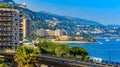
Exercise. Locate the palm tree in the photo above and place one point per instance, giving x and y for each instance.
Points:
(27, 56)
(2, 64)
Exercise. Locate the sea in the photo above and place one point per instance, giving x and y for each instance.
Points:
(104, 48)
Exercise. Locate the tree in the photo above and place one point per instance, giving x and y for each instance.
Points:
(75, 51)
(47, 47)
(5, 6)
(78, 51)
(83, 52)
(62, 50)
(53, 48)
(86, 58)
(27, 56)
(58, 51)
(2, 64)
(78, 57)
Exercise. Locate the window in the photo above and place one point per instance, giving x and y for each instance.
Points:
(16, 19)
(14, 38)
(16, 43)
(15, 33)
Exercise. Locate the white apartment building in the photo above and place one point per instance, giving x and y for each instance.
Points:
(11, 32)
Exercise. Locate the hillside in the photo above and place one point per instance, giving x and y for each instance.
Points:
(70, 24)
(50, 16)
(48, 20)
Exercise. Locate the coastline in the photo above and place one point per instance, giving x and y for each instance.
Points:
(66, 42)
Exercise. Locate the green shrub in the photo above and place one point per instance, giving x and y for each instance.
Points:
(3, 65)
(86, 58)
(63, 50)
(5, 6)
(78, 57)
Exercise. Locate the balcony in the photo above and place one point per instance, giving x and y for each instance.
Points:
(6, 20)
(7, 25)
(6, 35)
(6, 40)
(6, 30)
(7, 15)
(6, 45)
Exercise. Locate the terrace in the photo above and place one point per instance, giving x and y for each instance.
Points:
(5, 6)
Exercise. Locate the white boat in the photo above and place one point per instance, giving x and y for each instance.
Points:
(111, 38)
(117, 39)
(100, 43)
(107, 40)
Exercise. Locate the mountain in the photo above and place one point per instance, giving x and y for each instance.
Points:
(52, 21)
(70, 24)
(50, 16)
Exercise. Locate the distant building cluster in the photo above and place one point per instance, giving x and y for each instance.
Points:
(48, 32)
(59, 34)
(99, 31)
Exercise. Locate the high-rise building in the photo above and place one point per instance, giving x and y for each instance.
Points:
(49, 32)
(24, 28)
(27, 29)
(58, 32)
(10, 28)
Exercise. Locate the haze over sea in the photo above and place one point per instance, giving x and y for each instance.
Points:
(105, 49)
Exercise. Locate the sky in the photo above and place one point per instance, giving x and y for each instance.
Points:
(103, 11)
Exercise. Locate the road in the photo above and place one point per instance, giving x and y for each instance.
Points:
(71, 62)
(64, 61)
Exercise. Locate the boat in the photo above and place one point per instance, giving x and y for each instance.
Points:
(117, 39)
(101, 43)
(111, 38)
(107, 40)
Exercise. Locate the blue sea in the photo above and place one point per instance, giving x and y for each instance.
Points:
(105, 49)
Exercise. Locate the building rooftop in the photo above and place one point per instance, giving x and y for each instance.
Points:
(5, 6)
(7, 9)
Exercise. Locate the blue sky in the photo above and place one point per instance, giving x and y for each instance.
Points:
(103, 11)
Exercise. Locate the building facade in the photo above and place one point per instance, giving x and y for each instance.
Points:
(58, 32)
(48, 32)
(41, 32)
(11, 32)
(27, 28)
